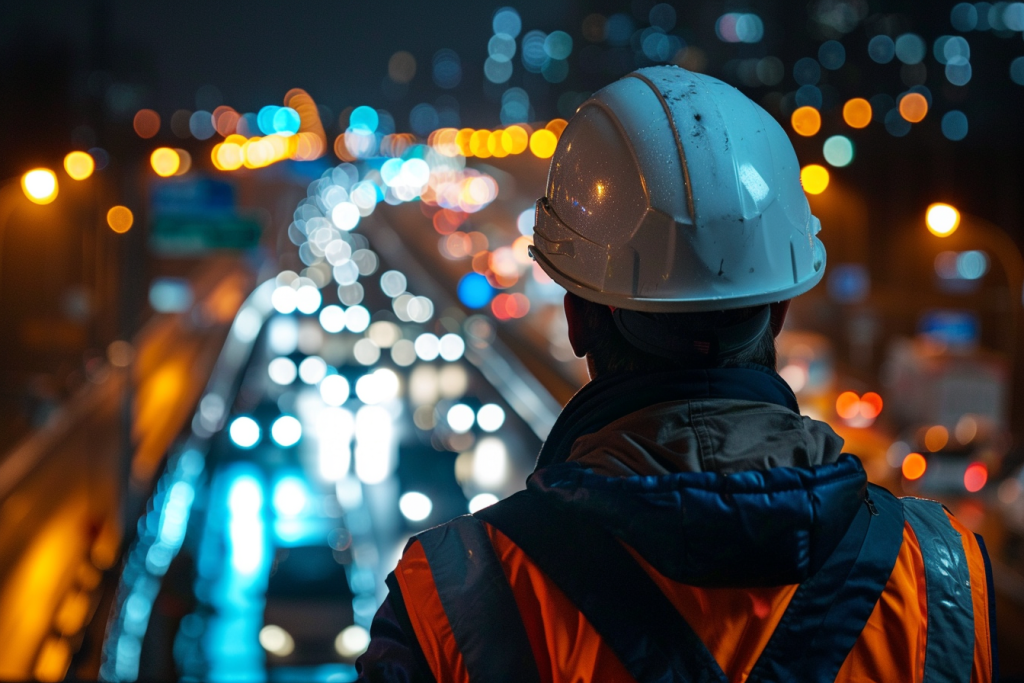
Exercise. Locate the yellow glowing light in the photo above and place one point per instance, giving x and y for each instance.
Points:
(942, 219)
(556, 126)
(40, 185)
(814, 178)
(120, 219)
(806, 121)
(543, 143)
(495, 145)
(165, 161)
(478, 144)
(79, 165)
(463, 139)
(857, 112)
(229, 156)
(515, 139)
(914, 107)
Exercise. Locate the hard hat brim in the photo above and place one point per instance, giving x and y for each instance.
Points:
(652, 305)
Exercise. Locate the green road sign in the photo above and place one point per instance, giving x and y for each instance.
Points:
(178, 234)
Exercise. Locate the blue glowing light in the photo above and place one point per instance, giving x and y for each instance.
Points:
(364, 119)
(286, 121)
(475, 291)
(265, 119)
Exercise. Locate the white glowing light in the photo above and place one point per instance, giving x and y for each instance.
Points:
(366, 352)
(334, 390)
(427, 346)
(276, 640)
(490, 417)
(283, 335)
(282, 371)
(403, 353)
(392, 283)
(357, 319)
(480, 501)
(374, 444)
(460, 418)
(334, 429)
(286, 431)
(284, 299)
(453, 381)
(378, 386)
(332, 318)
(290, 497)
(245, 525)
(345, 215)
(308, 299)
(415, 506)
(312, 369)
(490, 462)
(244, 432)
(352, 641)
(452, 347)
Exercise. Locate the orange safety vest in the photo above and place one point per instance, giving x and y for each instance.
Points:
(520, 593)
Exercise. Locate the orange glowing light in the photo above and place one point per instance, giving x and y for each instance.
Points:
(146, 123)
(79, 165)
(165, 161)
(495, 146)
(806, 121)
(515, 139)
(556, 126)
(543, 143)
(857, 112)
(814, 178)
(942, 219)
(914, 466)
(936, 438)
(975, 477)
(120, 219)
(914, 107)
(847, 405)
(521, 249)
(870, 405)
(463, 140)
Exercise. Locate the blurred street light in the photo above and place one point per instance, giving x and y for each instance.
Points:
(120, 219)
(79, 165)
(942, 219)
(40, 185)
(165, 161)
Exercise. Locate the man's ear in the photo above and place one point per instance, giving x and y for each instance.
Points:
(778, 319)
(574, 316)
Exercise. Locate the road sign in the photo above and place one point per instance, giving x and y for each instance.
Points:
(180, 235)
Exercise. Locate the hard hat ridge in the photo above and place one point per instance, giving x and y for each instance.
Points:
(672, 191)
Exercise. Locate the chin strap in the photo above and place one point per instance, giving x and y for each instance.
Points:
(707, 347)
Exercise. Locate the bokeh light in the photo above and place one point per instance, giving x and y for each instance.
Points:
(857, 112)
(954, 125)
(543, 143)
(120, 219)
(40, 185)
(914, 466)
(79, 165)
(165, 161)
(814, 178)
(913, 107)
(146, 123)
(401, 67)
(838, 150)
(975, 477)
(935, 438)
(806, 121)
(942, 219)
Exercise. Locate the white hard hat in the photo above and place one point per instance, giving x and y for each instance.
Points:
(672, 191)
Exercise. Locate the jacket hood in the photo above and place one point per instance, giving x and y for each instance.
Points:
(711, 475)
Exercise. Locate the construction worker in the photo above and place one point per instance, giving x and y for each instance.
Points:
(685, 522)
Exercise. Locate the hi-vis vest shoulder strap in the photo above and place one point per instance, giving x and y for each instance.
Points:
(651, 639)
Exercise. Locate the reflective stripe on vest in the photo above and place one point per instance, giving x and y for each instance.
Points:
(949, 652)
(810, 643)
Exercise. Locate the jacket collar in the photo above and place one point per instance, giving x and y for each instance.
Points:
(611, 397)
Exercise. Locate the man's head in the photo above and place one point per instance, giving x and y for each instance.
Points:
(594, 333)
(675, 217)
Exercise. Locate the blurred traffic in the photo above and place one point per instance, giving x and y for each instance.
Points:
(264, 340)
